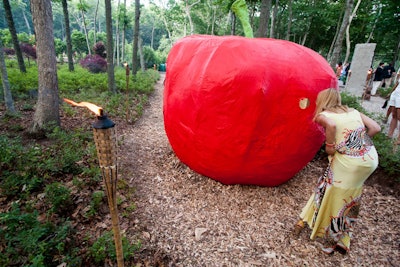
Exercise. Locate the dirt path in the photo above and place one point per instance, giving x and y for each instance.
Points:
(185, 219)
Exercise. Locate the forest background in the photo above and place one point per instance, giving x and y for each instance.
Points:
(316, 24)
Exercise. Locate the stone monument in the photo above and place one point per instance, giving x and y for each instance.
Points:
(360, 64)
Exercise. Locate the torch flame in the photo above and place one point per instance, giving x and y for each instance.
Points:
(92, 107)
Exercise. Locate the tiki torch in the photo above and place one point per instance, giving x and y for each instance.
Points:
(106, 146)
(127, 90)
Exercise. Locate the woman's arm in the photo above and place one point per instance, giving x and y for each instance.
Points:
(330, 133)
(372, 126)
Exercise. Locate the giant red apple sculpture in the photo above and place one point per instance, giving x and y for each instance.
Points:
(239, 110)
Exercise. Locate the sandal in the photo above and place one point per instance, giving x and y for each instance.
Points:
(328, 250)
(341, 250)
(298, 228)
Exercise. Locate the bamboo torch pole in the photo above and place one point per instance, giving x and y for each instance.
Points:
(106, 145)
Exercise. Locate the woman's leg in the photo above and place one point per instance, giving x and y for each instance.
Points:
(394, 121)
(388, 112)
(398, 123)
(375, 86)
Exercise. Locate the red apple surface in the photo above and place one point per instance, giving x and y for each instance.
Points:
(240, 110)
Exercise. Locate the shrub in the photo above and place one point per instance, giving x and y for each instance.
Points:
(28, 50)
(8, 51)
(100, 49)
(97, 199)
(389, 157)
(104, 248)
(24, 241)
(94, 63)
(18, 168)
(58, 197)
(144, 81)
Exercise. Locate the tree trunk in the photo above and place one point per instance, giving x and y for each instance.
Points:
(338, 44)
(4, 79)
(68, 36)
(273, 21)
(110, 58)
(26, 22)
(136, 38)
(13, 32)
(289, 23)
(85, 27)
(187, 11)
(375, 23)
(396, 53)
(95, 22)
(329, 55)
(141, 56)
(348, 32)
(214, 11)
(47, 115)
(264, 18)
(117, 33)
(123, 33)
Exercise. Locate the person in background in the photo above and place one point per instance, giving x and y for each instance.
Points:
(333, 208)
(394, 108)
(345, 72)
(388, 73)
(390, 108)
(339, 68)
(378, 77)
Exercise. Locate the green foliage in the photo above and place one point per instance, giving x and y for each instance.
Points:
(384, 91)
(60, 46)
(65, 151)
(29, 170)
(18, 170)
(104, 248)
(6, 37)
(78, 42)
(389, 158)
(25, 167)
(24, 241)
(80, 81)
(145, 80)
(22, 83)
(97, 199)
(58, 197)
(351, 101)
(150, 57)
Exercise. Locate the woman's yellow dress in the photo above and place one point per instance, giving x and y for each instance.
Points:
(333, 207)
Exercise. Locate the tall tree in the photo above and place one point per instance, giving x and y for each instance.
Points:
(264, 18)
(47, 115)
(188, 15)
(110, 58)
(289, 21)
(124, 26)
(353, 14)
(4, 79)
(68, 35)
(82, 6)
(13, 31)
(136, 38)
(273, 20)
(337, 48)
(95, 22)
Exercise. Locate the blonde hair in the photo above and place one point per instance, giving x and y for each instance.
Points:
(330, 100)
